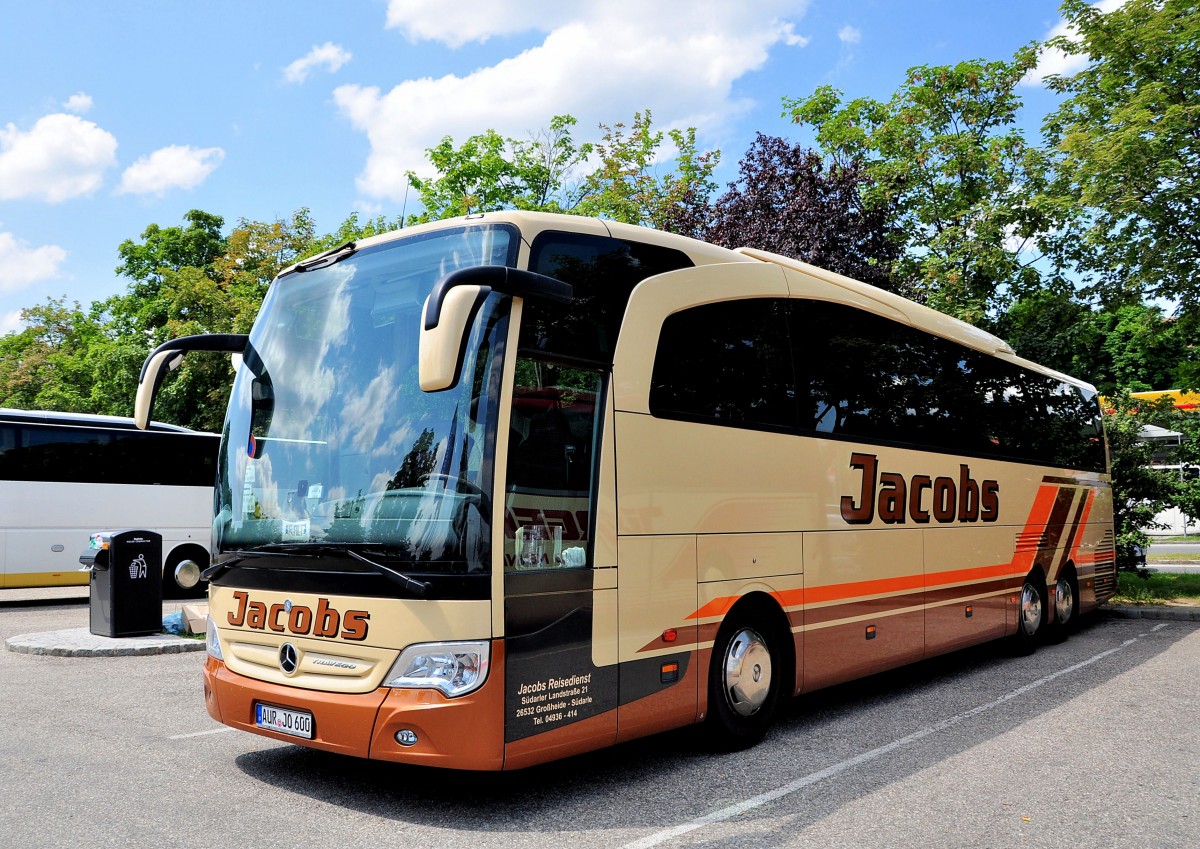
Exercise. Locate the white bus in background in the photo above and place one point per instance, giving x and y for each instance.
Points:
(64, 476)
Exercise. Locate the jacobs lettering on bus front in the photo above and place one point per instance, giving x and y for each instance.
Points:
(919, 498)
(325, 621)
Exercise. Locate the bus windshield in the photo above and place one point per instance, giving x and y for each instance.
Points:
(329, 440)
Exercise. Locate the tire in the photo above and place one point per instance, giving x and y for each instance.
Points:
(743, 683)
(1031, 614)
(170, 587)
(1066, 606)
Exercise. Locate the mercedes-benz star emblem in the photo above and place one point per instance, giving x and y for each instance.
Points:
(288, 658)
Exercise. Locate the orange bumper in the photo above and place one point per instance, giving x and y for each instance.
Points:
(461, 733)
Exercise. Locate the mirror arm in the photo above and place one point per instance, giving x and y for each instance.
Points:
(156, 365)
(497, 278)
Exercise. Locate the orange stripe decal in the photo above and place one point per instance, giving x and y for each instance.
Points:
(1031, 542)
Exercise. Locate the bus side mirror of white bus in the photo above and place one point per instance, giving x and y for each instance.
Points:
(451, 307)
(167, 356)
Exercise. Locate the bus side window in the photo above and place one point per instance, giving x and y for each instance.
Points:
(726, 363)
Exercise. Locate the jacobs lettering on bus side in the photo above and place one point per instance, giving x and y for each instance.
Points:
(323, 622)
(921, 498)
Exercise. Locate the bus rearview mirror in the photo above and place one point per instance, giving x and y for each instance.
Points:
(168, 356)
(452, 304)
(441, 347)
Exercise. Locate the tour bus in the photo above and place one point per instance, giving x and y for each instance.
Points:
(65, 476)
(510, 487)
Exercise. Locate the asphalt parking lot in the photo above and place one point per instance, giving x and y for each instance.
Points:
(1092, 742)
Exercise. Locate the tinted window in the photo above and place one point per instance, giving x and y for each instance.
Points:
(726, 363)
(603, 271)
(101, 455)
(862, 376)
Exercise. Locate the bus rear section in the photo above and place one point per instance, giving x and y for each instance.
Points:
(501, 490)
(65, 476)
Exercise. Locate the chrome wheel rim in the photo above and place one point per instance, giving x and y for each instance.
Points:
(1064, 601)
(747, 672)
(1031, 610)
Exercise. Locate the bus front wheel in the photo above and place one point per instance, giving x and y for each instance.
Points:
(743, 684)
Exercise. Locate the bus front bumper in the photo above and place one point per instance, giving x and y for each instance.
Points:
(466, 732)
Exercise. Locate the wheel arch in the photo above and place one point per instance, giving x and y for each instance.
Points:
(760, 606)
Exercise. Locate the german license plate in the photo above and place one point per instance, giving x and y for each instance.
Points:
(298, 723)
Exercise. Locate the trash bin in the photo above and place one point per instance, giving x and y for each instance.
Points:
(126, 583)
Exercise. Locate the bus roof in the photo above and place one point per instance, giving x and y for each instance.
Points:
(13, 416)
(703, 253)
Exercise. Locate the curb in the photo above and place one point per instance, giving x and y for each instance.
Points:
(1154, 611)
(80, 642)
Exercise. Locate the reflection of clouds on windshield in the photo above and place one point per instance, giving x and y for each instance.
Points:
(320, 311)
(365, 410)
(380, 481)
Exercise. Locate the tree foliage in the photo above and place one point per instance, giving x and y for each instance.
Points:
(547, 173)
(631, 183)
(791, 201)
(488, 172)
(1127, 138)
(1132, 347)
(945, 160)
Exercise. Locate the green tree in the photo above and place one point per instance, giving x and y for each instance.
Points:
(1139, 491)
(945, 159)
(1127, 138)
(631, 183)
(488, 172)
(1057, 330)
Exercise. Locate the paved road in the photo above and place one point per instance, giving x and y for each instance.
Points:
(1175, 547)
(1093, 742)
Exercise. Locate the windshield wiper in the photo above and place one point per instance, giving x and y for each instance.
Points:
(236, 556)
(417, 588)
(303, 549)
(322, 260)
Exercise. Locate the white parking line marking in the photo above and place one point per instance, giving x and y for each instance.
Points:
(200, 733)
(747, 805)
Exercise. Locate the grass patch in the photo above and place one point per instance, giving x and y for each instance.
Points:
(1189, 538)
(1173, 557)
(1158, 588)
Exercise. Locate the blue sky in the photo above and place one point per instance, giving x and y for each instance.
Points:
(120, 114)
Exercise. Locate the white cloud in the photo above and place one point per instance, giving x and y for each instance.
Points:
(1053, 60)
(791, 39)
(21, 266)
(849, 35)
(329, 56)
(173, 167)
(455, 24)
(62, 157)
(78, 103)
(11, 322)
(600, 61)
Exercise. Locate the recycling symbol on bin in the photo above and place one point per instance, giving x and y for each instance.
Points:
(137, 567)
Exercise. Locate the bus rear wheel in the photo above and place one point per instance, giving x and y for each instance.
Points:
(743, 684)
(1066, 606)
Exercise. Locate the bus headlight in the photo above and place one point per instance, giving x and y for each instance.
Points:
(211, 643)
(453, 668)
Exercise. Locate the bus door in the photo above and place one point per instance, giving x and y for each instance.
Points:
(559, 612)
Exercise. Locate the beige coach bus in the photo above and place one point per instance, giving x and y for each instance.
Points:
(506, 488)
